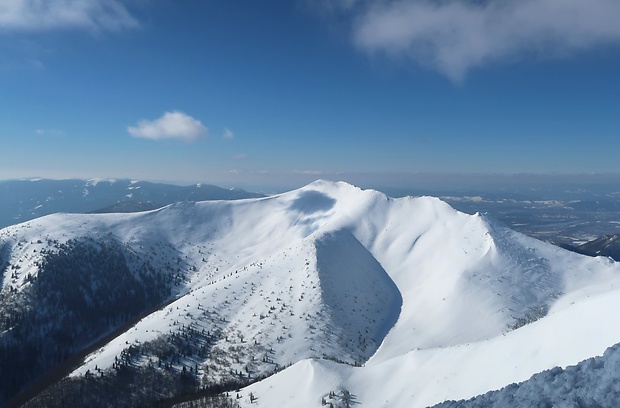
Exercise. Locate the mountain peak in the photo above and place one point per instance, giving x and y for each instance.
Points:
(329, 185)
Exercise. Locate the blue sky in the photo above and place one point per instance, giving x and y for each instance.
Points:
(278, 93)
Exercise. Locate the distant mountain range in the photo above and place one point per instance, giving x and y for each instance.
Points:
(328, 294)
(608, 245)
(23, 200)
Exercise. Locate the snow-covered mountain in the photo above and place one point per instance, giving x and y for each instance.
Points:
(23, 200)
(343, 293)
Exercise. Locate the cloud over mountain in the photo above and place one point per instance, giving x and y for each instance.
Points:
(171, 125)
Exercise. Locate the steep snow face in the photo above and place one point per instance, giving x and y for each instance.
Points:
(429, 250)
(358, 293)
(465, 278)
(410, 287)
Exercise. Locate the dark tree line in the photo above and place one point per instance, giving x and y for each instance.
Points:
(139, 386)
(84, 290)
(170, 377)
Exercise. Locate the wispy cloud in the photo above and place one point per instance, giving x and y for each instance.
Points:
(37, 15)
(228, 134)
(241, 171)
(313, 172)
(172, 125)
(49, 132)
(240, 156)
(454, 36)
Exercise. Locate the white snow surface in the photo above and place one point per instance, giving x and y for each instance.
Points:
(591, 383)
(425, 298)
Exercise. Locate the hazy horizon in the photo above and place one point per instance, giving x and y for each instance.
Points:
(549, 186)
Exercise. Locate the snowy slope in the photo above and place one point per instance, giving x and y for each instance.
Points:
(280, 309)
(425, 377)
(433, 303)
(591, 383)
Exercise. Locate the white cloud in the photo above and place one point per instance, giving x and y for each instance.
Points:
(172, 125)
(228, 134)
(454, 36)
(41, 15)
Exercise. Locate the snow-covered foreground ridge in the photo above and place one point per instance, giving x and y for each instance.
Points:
(401, 302)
